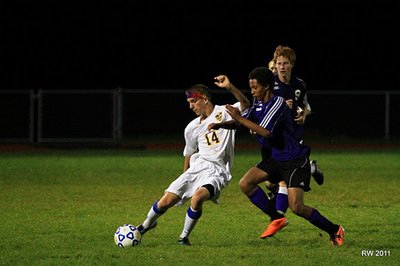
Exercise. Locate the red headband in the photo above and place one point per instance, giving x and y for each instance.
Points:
(194, 94)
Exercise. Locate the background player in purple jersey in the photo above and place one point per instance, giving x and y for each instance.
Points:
(283, 155)
(293, 90)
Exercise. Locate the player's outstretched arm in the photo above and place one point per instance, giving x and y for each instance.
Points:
(232, 124)
(223, 81)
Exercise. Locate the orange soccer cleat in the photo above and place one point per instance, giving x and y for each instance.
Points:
(274, 227)
(338, 238)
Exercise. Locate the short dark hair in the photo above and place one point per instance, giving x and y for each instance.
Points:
(264, 76)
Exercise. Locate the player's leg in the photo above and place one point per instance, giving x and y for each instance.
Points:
(282, 198)
(296, 202)
(249, 186)
(278, 195)
(157, 209)
(316, 172)
(194, 212)
(335, 231)
(173, 194)
(300, 178)
(272, 187)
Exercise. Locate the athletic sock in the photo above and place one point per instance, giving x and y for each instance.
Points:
(282, 203)
(259, 199)
(191, 219)
(152, 216)
(323, 223)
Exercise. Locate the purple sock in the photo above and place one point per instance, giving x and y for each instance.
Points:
(259, 199)
(322, 223)
(282, 203)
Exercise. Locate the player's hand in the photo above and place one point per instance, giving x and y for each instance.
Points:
(234, 112)
(290, 103)
(213, 126)
(222, 81)
(300, 118)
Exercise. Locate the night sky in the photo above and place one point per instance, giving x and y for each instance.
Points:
(178, 43)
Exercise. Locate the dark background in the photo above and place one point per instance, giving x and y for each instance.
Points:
(173, 44)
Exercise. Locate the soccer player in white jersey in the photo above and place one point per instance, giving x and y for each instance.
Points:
(208, 160)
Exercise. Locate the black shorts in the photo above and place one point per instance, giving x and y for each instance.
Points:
(271, 168)
(296, 173)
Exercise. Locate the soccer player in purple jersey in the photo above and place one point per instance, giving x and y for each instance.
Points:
(293, 90)
(283, 155)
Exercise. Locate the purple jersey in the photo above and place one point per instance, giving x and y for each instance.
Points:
(296, 91)
(274, 115)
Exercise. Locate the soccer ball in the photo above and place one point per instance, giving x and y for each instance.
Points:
(127, 235)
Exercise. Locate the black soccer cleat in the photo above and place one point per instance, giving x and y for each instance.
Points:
(142, 230)
(318, 175)
(184, 241)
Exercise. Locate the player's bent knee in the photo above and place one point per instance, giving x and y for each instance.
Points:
(246, 187)
(243, 185)
(167, 201)
(201, 195)
(298, 210)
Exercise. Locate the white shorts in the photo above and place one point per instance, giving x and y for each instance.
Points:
(200, 173)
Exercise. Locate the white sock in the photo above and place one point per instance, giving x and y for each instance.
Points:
(190, 223)
(152, 217)
(283, 190)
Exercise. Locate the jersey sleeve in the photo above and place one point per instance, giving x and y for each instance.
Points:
(275, 110)
(190, 141)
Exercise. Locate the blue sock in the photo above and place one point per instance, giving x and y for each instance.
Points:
(282, 202)
(261, 200)
(322, 223)
(194, 215)
(155, 209)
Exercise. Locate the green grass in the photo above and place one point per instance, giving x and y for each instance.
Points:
(61, 207)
